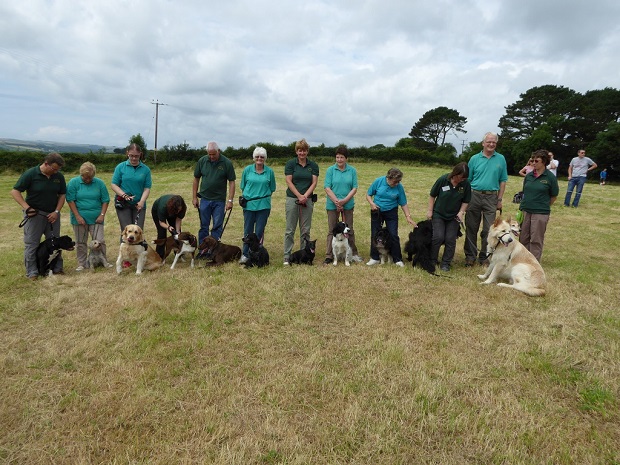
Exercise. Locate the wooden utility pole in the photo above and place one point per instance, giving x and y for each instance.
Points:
(157, 103)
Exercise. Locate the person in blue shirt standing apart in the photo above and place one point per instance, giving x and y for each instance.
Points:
(258, 182)
(487, 177)
(340, 186)
(384, 195)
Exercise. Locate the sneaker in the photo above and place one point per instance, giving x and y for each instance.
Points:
(485, 262)
(400, 263)
(109, 265)
(285, 263)
(357, 259)
(445, 268)
(328, 261)
(469, 263)
(79, 268)
(33, 278)
(243, 260)
(59, 272)
(372, 262)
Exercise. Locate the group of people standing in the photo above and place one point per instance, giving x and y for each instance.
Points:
(470, 195)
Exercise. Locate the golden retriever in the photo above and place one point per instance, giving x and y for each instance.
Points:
(510, 260)
(135, 250)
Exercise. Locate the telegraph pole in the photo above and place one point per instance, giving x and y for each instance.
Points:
(463, 145)
(157, 103)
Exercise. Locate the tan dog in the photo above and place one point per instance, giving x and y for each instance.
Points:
(135, 250)
(510, 260)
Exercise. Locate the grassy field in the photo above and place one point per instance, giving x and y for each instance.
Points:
(314, 365)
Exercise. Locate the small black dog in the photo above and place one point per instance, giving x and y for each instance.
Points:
(258, 255)
(48, 253)
(418, 247)
(382, 242)
(304, 256)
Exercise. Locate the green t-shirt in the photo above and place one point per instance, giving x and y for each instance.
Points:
(302, 175)
(41, 192)
(537, 192)
(162, 212)
(215, 176)
(448, 199)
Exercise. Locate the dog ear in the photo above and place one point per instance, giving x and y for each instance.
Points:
(498, 220)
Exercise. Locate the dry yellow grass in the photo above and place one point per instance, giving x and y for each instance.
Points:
(314, 365)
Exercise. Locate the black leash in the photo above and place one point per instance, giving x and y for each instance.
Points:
(225, 223)
(30, 212)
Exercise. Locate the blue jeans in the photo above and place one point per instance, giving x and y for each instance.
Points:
(579, 182)
(211, 209)
(254, 222)
(390, 218)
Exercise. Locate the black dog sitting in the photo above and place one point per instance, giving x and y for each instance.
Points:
(418, 247)
(304, 256)
(48, 253)
(258, 255)
(383, 243)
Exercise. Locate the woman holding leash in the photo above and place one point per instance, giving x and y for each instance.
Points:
(384, 195)
(168, 212)
(340, 186)
(131, 182)
(258, 182)
(447, 203)
(88, 199)
(301, 177)
(540, 190)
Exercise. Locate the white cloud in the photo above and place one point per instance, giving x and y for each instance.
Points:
(358, 72)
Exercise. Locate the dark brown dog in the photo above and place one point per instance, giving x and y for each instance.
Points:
(217, 252)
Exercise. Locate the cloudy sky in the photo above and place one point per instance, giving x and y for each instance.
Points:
(359, 72)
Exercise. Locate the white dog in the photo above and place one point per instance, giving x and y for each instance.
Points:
(510, 260)
(340, 244)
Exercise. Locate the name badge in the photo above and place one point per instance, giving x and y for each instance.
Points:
(445, 188)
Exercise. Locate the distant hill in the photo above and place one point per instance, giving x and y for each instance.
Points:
(47, 146)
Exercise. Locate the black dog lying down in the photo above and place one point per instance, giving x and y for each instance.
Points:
(418, 247)
(304, 256)
(48, 253)
(258, 255)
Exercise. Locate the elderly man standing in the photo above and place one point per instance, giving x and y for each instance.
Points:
(45, 189)
(487, 176)
(216, 172)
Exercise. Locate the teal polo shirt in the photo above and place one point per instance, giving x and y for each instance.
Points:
(537, 193)
(41, 192)
(486, 174)
(448, 198)
(302, 175)
(385, 196)
(215, 176)
(255, 185)
(88, 198)
(340, 182)
(133, 179)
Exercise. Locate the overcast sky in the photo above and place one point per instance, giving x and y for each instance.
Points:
(359, 72)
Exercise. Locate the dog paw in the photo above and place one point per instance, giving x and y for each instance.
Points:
(347, 264)
(481, 276)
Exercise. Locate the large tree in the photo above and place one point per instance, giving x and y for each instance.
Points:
(435, 125)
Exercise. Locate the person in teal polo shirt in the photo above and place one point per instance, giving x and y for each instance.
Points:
(46, 190)
(487, 176)
(258, 182)
(132, 183)
(88, 200)
(447, 203)
(540, 190)
(213, 172)
(340, 186)
(301, 176)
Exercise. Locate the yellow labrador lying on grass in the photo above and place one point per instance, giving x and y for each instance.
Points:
(135, 250)
(512, 261)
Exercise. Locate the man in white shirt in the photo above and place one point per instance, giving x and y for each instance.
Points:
(553, 165)
(577, 175)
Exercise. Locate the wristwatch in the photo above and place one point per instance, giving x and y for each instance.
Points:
(57, 212)
(230, 200)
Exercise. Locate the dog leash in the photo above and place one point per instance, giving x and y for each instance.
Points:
(30, 212)
(225, 223)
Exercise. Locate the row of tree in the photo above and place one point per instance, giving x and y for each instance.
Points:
(556, 118)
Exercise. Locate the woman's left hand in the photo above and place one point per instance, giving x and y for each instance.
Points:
(140, 205)
(411, 222)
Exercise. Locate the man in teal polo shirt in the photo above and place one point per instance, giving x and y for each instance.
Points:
(213, 172)
(45, 189)
(487, 177)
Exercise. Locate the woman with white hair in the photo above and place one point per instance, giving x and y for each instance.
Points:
(258, 182)
(88, 199)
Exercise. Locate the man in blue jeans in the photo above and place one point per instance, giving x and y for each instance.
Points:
(577, 175)
(213, 172)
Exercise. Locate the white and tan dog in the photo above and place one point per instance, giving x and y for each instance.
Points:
(135, 250)
(510, 260)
